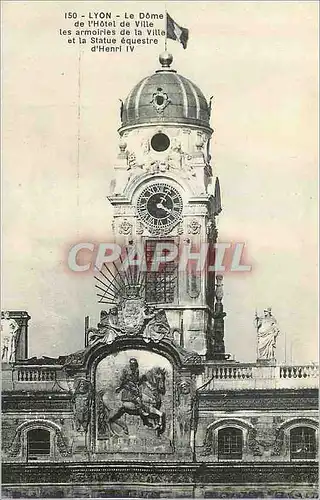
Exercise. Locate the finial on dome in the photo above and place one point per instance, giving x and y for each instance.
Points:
(165, 59)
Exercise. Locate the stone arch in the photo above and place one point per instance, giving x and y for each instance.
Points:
(164, 348)
(140, 181)
(22, 430)
(299, 421)
(85, 359)
(230, 422)
(282, 444)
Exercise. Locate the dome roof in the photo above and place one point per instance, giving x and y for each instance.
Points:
(165, 97)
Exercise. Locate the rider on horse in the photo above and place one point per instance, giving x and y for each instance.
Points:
(130, 387)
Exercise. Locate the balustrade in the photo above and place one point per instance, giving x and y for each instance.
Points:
(307, 371)
(36, 375)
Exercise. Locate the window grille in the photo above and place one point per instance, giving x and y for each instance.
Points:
(302, 443)
(38, 443)
(161, 284)
(230, 443)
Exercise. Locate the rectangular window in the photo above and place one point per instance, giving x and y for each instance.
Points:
(161, 285)
(38, 443)
(230, 444)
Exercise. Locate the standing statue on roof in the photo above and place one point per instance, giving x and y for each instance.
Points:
(267, 333)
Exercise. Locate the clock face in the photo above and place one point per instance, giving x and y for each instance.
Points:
(160, 205)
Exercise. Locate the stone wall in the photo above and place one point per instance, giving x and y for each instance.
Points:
(147, 480)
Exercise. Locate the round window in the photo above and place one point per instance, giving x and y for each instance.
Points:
(160, 142)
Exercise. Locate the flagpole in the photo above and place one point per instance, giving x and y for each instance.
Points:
(165, 38)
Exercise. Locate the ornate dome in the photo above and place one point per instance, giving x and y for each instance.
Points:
(165, 97)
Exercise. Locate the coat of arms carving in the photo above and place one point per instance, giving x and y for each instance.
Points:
(129, 315)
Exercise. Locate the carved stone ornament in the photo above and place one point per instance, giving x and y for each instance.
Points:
(193, 285)
(180, 228)
(188, 357)
(212, 231)
(125, 227)
(132, 160)
(131, 317)
(194, 227)
(255, 446)
(74, 359)
(157, 328)
(219, 288)
(139, 228)
(201, 138)
(195, 209)
(160, 231)
(82, 399)
(160, 100)
(278, 444)
(176, 155)
(122, 145)
(119, 210)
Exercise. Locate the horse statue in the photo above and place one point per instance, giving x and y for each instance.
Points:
(142, 398)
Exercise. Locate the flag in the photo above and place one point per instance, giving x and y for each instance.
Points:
(176, 32)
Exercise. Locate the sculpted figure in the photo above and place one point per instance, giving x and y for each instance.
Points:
(9, 330)
(108, 328)
(133, 165)
(82, 399)
(267, 332)
(179, 160)
(145, 144)
(129, 385)
(184, 410)
(149, 164)
(140, 395)
(175, 155)
(157, 326)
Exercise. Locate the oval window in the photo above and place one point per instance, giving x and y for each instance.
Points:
(160, 142)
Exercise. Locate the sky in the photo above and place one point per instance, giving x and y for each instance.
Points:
(59, 143)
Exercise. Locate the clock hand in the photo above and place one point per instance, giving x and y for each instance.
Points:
(164, 197)
(160, 205)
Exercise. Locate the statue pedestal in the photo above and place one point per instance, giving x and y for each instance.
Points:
(79, 443)
(266, 362)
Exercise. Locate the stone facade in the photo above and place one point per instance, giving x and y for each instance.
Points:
(152, 406)
(42, 397)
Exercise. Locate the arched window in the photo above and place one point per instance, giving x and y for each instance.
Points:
(38, 444)
(302, 443)
(230, 443)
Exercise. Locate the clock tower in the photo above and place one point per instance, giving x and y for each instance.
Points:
(166, 197)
